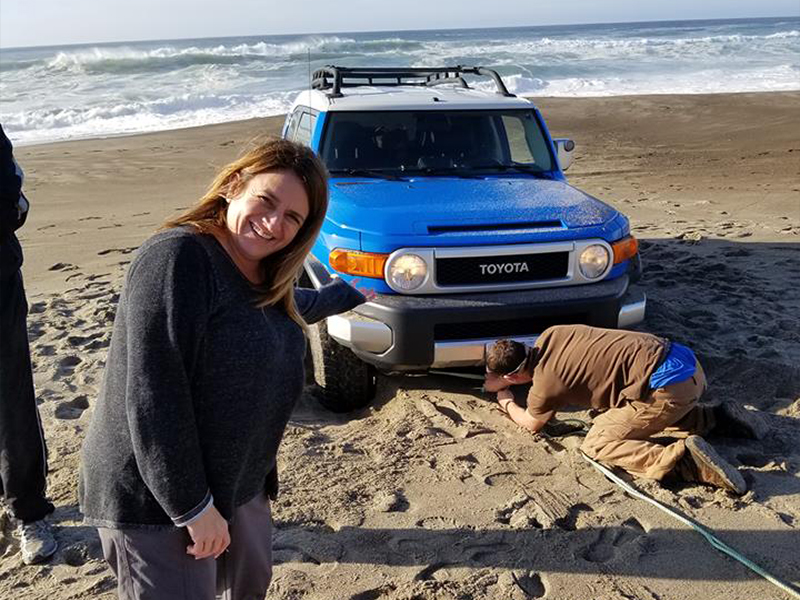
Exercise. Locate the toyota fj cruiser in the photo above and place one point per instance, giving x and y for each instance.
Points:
(449, 200)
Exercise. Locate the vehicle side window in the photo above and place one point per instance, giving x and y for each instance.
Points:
(515, 131)
(291, 125)
(304, 128)
(526, 143)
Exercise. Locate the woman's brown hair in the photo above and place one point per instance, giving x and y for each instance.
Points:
(279, 270)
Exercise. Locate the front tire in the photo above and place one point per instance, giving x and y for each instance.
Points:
(346, 383)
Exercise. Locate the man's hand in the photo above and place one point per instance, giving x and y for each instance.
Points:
(494, 383)
(520, 416)
(210, 534)
(504, 398)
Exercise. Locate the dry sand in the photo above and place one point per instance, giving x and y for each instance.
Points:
(431, 493)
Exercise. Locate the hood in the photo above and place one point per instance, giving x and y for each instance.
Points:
(424, 206)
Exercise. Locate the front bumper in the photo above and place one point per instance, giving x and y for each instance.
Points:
(414, 333)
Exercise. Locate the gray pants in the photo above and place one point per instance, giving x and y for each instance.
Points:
(153, 565)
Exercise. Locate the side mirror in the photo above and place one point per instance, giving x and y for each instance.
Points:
(564, 148)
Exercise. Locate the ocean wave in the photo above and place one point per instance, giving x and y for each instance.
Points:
(7, 66)
(627, 49)
(321, 49)
(76, 92)
(710, 81)
(783, 35)
(126, 59)
(186, 110)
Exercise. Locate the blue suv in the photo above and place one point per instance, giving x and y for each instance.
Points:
(448, 200)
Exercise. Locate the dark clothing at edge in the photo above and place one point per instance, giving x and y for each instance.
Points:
(23, 456)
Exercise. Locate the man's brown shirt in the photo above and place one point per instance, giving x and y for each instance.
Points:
(586, 366)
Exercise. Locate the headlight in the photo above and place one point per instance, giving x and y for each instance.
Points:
(593, 261)
(406, 272)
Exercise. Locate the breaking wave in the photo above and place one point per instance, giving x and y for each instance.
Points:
(109, 89)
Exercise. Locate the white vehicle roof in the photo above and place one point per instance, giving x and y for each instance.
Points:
(410, 97)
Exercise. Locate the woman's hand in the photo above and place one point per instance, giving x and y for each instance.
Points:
(210, 534)
(368, 293)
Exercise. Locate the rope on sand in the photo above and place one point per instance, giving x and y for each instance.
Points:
(706, 533)
(581, 427)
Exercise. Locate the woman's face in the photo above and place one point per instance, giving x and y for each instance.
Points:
(265, 216)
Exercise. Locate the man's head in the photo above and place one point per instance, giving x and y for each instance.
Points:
(509, 359)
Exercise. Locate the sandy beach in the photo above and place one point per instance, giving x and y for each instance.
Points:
(431, 493)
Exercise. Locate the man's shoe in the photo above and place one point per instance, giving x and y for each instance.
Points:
(37, 543)
(734, 420)
(703, 464)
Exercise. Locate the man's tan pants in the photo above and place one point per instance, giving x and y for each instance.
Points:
(621, 436)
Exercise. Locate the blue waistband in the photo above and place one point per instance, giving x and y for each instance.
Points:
(677, 366)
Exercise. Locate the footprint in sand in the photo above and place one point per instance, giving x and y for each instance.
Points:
(286, 553)
(531, 583)
(569, 522)
(66, 366)
(117, 251)
(435, 523)
(95, 341)
(302, 546)
(45, 350)
(436, 432)
(514, 506)
(37, 307)
(450, 413)
(62, 267)
(610, 542)
(373, 594)
(386, 501)
(429, 572)
(72, 409)
(483, 553)
(80, 553)
(499, 478)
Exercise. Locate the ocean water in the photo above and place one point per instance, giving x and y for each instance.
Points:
(71, 92)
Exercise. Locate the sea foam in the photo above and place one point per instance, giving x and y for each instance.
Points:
(110, 89)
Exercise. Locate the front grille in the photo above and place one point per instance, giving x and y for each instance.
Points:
(517, 268)
(507, 328)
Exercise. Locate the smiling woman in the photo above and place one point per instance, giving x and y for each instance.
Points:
(204, 369)
(263, 218)
(278, 179)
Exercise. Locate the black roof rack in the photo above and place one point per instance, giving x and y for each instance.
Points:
(335, 78)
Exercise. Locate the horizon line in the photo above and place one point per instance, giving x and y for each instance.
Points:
(361, 31)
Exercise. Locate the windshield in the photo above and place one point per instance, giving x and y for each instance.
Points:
(435, 141)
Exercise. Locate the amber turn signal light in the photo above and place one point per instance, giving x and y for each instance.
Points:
(624, 249)
(366, 264)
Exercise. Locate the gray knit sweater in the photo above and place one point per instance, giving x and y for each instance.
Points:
(197, 390)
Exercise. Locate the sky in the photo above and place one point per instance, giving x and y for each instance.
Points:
(59, 22)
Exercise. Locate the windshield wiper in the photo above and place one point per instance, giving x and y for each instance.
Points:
(376, 173)
(520, 168)
(453, 171)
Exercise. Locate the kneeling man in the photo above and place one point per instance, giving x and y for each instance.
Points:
(644, 384)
